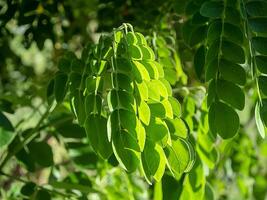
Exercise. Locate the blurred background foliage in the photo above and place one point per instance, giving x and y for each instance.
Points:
(34, 34)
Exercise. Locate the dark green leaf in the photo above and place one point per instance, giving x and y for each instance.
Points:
(232, 72)
(256, 8)
(263, 111)
(223, 120)
(64, 64)
(153, 161)
(6, 106)
(42, 153)
(93, 104)
(199, 61)
(261, 62)
(260, 44)
(6, 130)
(96, 129)
(119, 99)
(258, 25)
(231, 32)
(135, 52)
(212, 9)
(123, 65)
(158, 131)
(60, 87)
(121, 81)
(211, 69)
(126, 157)
(263, 84)
(28, 189)
(68, 130)
(233, 52)
(231, 94)
(43, 195)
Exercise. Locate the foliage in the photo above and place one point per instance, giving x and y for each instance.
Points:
(172, 108)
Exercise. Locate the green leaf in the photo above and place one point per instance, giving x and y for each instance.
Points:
(176, 106)
(158, 131)
(123, 65)
(230, 32)
(163, 52)
(231, 94)
(260, 44)
(179, 157)
(60, 86)
(6, 130)
(160, 69)
(147, 53)
(211, 92)
(211, 70)
(232, 15)
(212, 9)
(198, 35)
(28, 189)
(119, 99)
(199, 61)
(232, 72)
(263, 84)
(167, 85)
(152, 69)
(223, 120)
(93, 83)
(142, 90)
(233, 52)
(64, 64)
(261, 62)
(122, 81)
(168, 108)
(256, 8)
(140, 39)
(177, 127)
(140, 72)
(96, 129)
(258, 24)
(144, 112)
(77, 66)
(153, 161)
(93, 104)
(42, 195)
(77, 103)
(157, 109)
(259, 121)
(209, 192)
(68, 130)
(50, 91)
(140, 134)
(75, 81)
(126, 157)
(263, 111)
(42, 153)
(129, 140)
(127, 119)
(156, 90)
(135, 52)
(131, 38)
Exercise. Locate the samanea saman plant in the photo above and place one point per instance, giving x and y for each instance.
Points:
(118, 93)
